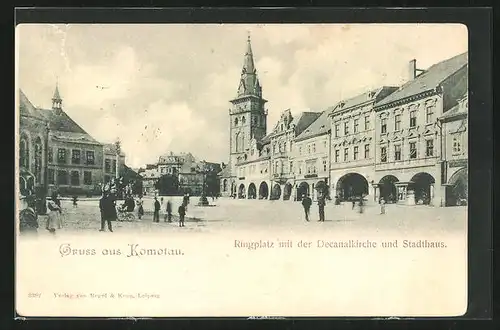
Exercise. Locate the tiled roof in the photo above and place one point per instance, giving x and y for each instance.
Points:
(375, 95)
(74, 137)
(428, 80)
(60, 121)
(320, 126)
(304, 120)
(458, 109)
(26, 108)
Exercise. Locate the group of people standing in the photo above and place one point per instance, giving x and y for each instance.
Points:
(360, 203)
(168, 210)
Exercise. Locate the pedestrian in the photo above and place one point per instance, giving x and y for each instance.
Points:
(321, 207)
(361, 204)
(185, 201)
(382, 205)
(353, 203)
(140, 208)
(156, 214)
(53, 219)
(107, 207)
(28, 218)
(306, 203)
(168, 214)
(75, 201)
(182, 213)
(56, 197)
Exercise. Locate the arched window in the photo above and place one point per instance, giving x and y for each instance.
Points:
(24, 152)
(38, 160)
(237, 141)
(243, 120)
(235, 121)
(242, 142)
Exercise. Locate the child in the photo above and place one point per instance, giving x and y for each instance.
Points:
(75, 200)
(182, 213)
(382, 206)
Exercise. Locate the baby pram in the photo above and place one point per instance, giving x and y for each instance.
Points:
(126, 210)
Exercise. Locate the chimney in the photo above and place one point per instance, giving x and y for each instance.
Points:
(412, 69)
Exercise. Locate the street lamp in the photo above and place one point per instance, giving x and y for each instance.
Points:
(203, 198)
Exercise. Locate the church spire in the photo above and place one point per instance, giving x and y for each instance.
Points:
(56, 99)
(249, 82)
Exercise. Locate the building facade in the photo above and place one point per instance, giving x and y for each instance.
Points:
(311, 158)
(352, 144)
(75, 159)
(390, 142)
(409, 155)
(454, 125)
(111, 167)
(32, 142)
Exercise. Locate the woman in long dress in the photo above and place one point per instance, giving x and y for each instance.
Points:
(53, 220)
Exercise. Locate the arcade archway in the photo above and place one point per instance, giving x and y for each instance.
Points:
(351, 186)
(421, 186)
(252, 191)
(241, 191)
(457, 188)
(302, 189)
(388, 190)
(224, 185)
(276, 192)
(322, 189)
(287, 191)
(263, 190)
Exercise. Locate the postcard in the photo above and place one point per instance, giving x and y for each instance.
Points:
(249, 170)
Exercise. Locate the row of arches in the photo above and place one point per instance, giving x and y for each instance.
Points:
(352, 186)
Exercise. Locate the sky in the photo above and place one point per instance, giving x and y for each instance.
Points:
(166, 87)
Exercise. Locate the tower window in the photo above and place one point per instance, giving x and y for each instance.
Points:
(235, 121)
(243, 120)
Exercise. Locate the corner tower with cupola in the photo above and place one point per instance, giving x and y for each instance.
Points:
(248, 117)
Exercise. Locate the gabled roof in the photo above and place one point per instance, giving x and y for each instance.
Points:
(304, 120)
(428, 80)
(26, 108)
(375, 95)
(60, 121)
(456, 111)
(74, 137)
(320, 126)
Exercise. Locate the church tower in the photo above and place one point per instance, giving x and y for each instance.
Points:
(247, 115)
(57, 100)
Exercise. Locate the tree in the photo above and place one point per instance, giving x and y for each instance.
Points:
(168, 184)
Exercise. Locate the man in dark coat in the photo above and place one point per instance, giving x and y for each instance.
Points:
(156, 214)
(182, 214)
(168, 214)
(108, 211)
(321, 207)
(306, 203)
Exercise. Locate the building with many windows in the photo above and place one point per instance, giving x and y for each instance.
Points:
(408, 160)
(75, 159)
(353, 145)
(390, 142)
(311, 158)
